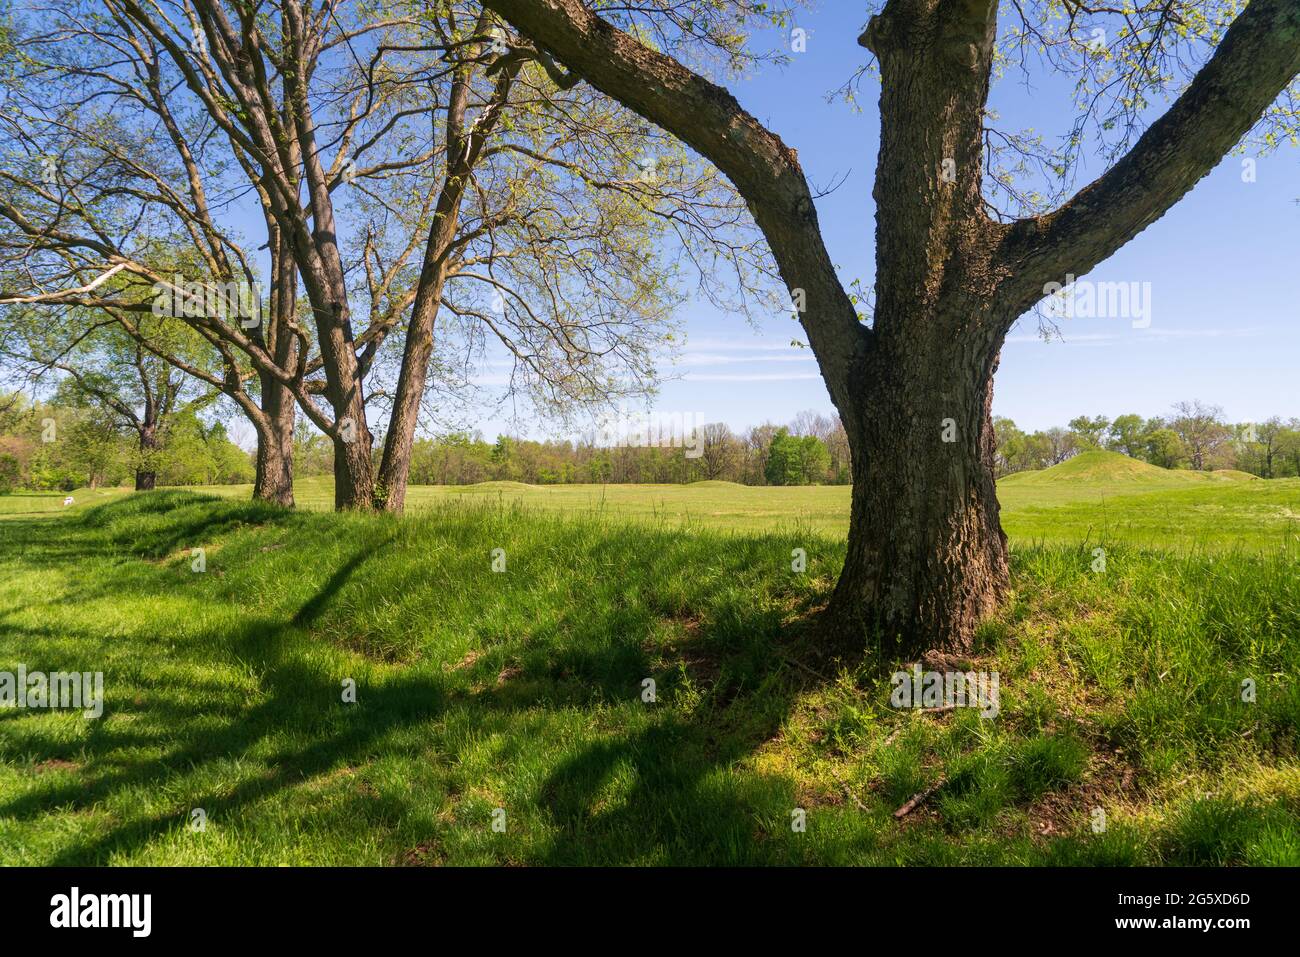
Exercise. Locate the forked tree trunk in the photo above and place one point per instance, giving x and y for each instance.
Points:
(317, 259)
(927, 558)
(395, 464)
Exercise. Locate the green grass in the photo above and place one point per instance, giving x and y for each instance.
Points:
(522, 690)
(1095, 499)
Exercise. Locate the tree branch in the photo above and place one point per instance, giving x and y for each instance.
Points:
(1258, 57)
(709, 120)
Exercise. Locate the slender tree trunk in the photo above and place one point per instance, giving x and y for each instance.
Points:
(395, 466)
(274, 481)
(146, 477)
(354, 479)
(321, 267)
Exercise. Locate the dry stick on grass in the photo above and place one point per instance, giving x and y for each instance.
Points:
(941, 709)
(916, 800)
(848, 790)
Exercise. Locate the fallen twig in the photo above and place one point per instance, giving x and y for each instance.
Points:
(848, 790)
(940, 709)
(916, 800)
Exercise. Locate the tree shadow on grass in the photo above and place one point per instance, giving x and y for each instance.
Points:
(668, 792)
(676, 796)
(295, 693)
(148, 525)
(682, 807)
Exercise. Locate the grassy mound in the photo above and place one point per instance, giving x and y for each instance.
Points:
(1236, 475)
(1107, 467)
(525, 690)
(498, 486)
(1015, 478)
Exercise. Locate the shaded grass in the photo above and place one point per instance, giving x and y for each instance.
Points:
(523, 691)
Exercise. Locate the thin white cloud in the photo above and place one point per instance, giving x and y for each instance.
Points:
(756, 377)
(1154, 334)
(748, 345)
(716, 359)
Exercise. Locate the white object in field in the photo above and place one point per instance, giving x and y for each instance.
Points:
(68, 500)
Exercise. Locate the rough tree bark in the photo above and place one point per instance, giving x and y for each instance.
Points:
(321, 265)
(926, 554)
(926, 557)
(274, 478)
(146, 478)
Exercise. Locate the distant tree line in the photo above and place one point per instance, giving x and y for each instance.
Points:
(811, 450)
(73, 442)
(78, 440)
(1192, 436)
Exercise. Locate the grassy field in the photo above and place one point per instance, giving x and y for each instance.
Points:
(1095, 498)
(517, 697)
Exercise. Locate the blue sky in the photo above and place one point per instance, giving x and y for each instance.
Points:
(1221, 266)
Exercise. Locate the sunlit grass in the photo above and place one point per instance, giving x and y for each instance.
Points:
(1121, 693)
(1097, 499)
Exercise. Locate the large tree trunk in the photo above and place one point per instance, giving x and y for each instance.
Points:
(146, 477)
(927, 558)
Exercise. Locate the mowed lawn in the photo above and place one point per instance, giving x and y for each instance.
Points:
(1149, 712)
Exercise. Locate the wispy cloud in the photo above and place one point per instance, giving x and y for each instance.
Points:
(718, 359)
(1127, 336)
(755, 377)
(746, 345)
